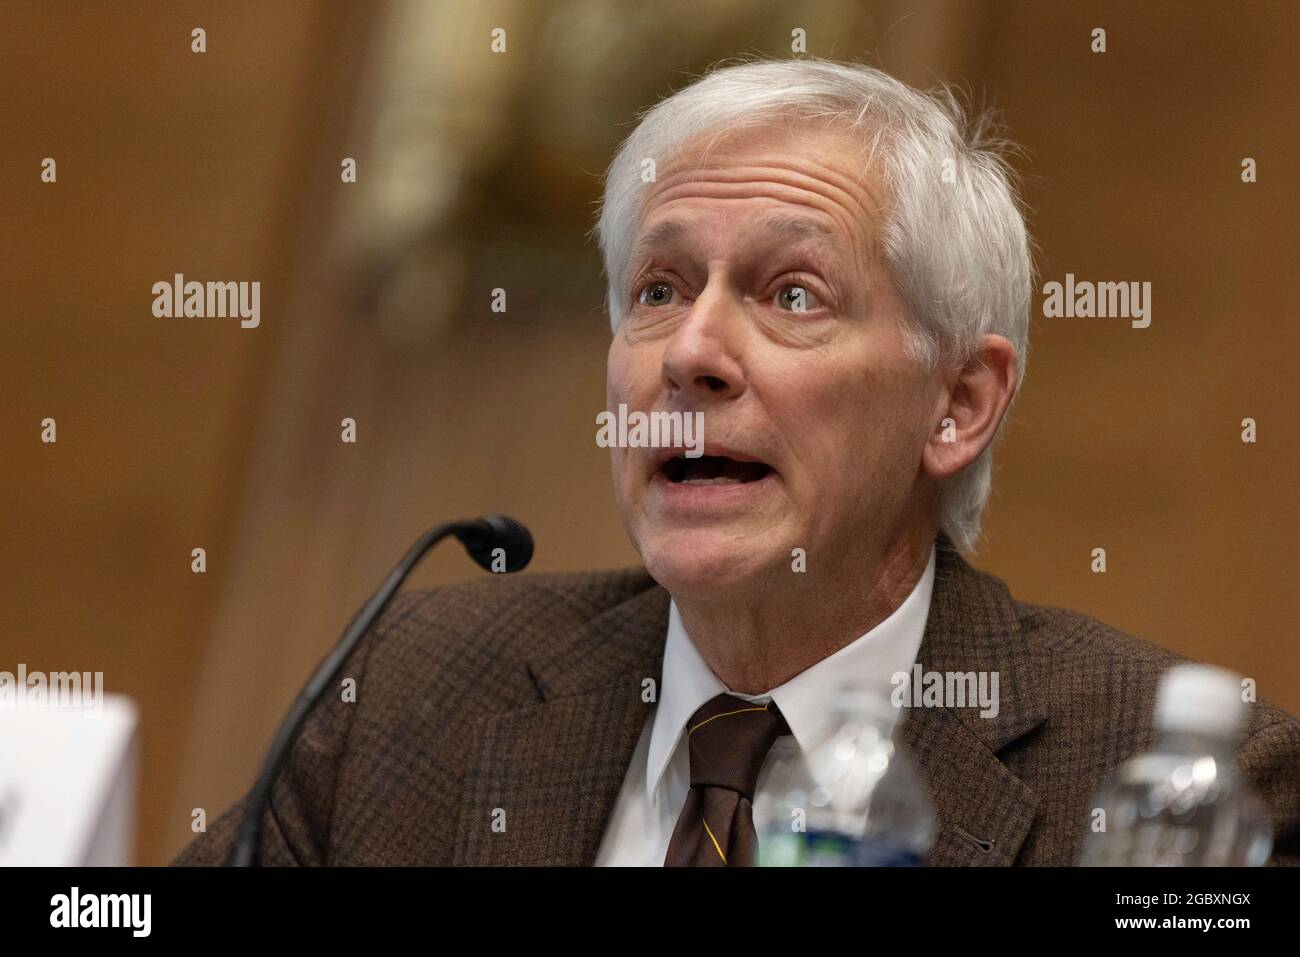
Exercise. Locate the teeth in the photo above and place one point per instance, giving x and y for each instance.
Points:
(720, 480)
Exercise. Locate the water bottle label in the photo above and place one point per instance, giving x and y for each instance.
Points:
(784, 848)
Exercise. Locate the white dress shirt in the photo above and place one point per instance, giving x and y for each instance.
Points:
(654, 789)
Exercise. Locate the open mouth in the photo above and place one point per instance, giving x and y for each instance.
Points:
(712, 470)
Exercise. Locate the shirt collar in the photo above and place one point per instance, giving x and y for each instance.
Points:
(688, 682)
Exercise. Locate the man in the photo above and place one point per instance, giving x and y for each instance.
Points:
(832, 268)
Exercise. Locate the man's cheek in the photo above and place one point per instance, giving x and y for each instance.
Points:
(623, 370)
(623, 472)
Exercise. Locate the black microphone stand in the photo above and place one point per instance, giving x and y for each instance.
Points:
(480, 537)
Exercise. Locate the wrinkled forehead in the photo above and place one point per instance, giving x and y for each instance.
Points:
(817, 136)
(812, 144)
(794, 163)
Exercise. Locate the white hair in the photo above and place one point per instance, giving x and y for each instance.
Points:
(954, 236)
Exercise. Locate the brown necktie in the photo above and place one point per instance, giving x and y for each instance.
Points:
(729, 739)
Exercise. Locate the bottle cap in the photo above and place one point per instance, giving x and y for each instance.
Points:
(1199, 699)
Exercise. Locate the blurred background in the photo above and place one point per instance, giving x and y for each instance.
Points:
(478, 170)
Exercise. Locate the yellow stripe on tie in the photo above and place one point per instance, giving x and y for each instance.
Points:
(723, 715)
(710, 833)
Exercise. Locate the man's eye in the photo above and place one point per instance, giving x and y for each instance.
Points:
(796, 298)
(657, 293)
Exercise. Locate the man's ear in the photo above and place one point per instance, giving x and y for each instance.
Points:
(971, 406)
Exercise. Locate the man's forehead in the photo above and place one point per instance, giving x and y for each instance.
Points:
(768, 165)
(673, 227)
(812, 148)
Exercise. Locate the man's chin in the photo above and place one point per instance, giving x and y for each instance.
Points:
(708, 565)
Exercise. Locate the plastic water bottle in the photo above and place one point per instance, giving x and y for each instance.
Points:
(858, 802)
(1182, 804)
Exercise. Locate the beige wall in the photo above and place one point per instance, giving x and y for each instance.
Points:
(174, 435)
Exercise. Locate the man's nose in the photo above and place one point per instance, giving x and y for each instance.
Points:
(701, 359)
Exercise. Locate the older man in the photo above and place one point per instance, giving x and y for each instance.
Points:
(832, 269)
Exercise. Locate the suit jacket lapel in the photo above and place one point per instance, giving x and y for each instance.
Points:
(549, 773)
(984, 810)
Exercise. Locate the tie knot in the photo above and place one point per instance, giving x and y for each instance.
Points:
(729, 739)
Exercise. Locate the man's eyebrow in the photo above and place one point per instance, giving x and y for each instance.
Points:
(659, 234)
(800, 227)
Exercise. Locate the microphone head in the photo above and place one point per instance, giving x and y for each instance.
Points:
(493, 532)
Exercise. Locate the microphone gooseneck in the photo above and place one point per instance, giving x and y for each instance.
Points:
(496, 542)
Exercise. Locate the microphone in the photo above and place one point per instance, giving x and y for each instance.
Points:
(484, 537)
(497, 543)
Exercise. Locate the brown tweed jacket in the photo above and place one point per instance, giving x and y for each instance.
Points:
(523, 694)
